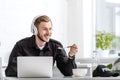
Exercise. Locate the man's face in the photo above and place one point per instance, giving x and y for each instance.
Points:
(44, 31)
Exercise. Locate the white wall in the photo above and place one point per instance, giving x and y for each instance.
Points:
(75, 25)
(88, 24)
(80, 26)
(16, 17)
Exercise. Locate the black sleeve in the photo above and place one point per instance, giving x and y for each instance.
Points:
(11, 69)
(64, 64)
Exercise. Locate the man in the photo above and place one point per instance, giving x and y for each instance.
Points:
(40, 44)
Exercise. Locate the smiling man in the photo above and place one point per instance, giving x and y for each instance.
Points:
(41, 44)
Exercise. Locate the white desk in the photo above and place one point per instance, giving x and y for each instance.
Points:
(65, 78)
(57, 75)
(102, 60)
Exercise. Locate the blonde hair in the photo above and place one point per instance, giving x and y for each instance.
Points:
(40, 19)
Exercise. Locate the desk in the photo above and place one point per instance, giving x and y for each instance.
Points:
(58, 76)
(65, 78)
(102, 60)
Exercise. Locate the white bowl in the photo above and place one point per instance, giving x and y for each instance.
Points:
(79, 72)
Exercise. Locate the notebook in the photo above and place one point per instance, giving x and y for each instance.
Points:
(34, 67)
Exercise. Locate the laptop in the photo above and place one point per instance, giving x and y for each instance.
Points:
(40, 67)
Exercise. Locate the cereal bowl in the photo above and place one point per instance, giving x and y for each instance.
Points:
(79, 72)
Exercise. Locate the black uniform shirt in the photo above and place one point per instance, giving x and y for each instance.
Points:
(27, 47)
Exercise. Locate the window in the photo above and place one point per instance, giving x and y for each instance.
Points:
(107, 19)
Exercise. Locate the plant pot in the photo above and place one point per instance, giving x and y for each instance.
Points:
(104, 53)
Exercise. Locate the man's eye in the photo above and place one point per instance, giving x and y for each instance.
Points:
(44, 29)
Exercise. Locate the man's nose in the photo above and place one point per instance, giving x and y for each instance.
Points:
(49, 32)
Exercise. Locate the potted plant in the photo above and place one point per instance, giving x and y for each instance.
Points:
(104, 41)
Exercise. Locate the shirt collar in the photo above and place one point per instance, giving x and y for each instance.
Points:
(47, 45)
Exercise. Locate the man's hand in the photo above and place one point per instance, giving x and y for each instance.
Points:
(73, 50)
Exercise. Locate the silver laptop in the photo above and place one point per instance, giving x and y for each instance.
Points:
(34, 67)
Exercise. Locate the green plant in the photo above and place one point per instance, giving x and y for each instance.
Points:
(104, 40)
(110, 66)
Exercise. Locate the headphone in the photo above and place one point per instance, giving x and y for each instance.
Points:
(33, 27)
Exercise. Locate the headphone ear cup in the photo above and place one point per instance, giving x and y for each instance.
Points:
(35, 31)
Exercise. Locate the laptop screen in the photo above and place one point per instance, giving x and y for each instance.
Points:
(35, 66)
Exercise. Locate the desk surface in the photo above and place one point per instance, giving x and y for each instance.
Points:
(60, 77)
(65, 78)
